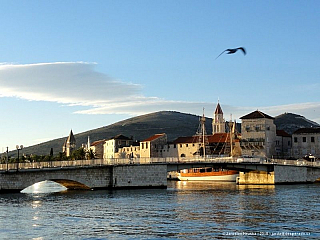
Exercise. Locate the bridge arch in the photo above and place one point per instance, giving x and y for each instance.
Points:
(54, 185)
(68, 183)
(71, 184)
(71, 178)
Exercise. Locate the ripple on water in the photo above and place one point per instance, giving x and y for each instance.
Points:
(188, 210)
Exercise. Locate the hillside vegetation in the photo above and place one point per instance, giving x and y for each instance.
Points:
(291, 122)
(174, 124)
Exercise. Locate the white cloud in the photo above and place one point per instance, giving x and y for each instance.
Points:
(70, 83)
(77, 83)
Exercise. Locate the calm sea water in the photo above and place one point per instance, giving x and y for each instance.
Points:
(186, 210)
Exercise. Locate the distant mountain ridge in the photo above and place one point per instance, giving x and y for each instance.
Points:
(291, 122)
(174, 124)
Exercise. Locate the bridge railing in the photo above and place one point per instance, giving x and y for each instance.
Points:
(172, 160)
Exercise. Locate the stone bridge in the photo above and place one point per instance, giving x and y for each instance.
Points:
(148, 173)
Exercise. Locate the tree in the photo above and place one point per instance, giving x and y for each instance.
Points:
(91, 154)
(78, 154)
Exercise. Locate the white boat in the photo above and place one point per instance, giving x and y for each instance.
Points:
(208, 174)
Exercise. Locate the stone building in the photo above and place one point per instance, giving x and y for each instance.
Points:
(306, 141)
(216, 145)
(111, 147)
(258, 133)
(69, 145)
(97, 148)
(283, 144)
(132, 151)
(153, 146)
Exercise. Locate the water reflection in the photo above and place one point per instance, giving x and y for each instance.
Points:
(187, 210)
(256, 189)
(44, 187)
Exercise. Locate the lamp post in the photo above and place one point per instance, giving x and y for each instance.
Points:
(18, 148)
(7, 159)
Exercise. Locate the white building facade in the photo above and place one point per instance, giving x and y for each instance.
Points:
(111, 147)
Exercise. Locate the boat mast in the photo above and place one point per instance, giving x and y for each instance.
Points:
(203, 121)
(201, 135)
(231, 132)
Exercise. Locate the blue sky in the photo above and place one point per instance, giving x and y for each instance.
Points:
(85, 64)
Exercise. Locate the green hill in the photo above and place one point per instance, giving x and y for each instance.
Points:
(174, 124)
(291, 122)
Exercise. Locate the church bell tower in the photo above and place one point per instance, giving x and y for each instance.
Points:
(218, 122)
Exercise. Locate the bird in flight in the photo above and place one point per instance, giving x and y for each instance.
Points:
(233, 50)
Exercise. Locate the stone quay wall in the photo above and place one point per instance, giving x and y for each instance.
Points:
(282, 174)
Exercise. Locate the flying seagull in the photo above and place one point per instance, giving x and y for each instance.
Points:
(233, 50)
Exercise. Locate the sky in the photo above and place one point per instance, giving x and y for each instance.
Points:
(81, 64)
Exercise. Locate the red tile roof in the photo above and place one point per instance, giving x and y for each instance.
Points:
(97, 143)
(153, 137)
(216, 138)
(307, 130)
(283, 133)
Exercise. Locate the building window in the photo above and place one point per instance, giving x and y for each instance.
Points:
(181, 145)
(142, 145)
(187, 145)
(295, 139)
(146, 145)
(312, 139)
(304, 139)
(174, 146)
(289, 143)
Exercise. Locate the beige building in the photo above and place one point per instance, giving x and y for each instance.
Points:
(133, 151)
(97, 148)
(306, 141)
(258, 133)
(153, 146)
(111, 147)
(216, 145)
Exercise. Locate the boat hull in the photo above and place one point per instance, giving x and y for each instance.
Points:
(222, 176)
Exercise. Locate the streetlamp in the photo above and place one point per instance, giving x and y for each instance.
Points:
(18, 148)
(7, 158)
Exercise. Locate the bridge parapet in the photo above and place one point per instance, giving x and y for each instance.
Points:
(141, 161)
